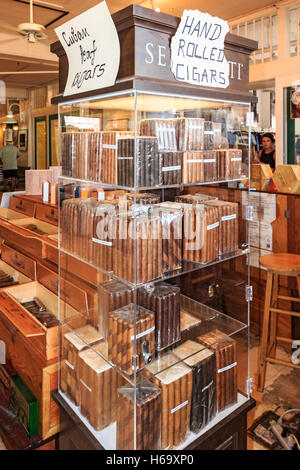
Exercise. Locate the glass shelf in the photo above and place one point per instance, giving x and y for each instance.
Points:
(197, 319)
(145, 188)
(188, 267)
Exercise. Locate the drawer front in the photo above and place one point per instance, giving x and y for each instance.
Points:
(47, 214)
(19, 261)
(70, 293)
(22, 205)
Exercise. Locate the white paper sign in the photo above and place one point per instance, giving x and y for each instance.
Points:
(197, 50)
(92, 46)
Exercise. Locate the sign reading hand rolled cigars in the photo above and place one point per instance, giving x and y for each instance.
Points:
(164, 301)
(226, 366)
(176, 383)
(148, 416)
(121, 336)
(72, 344)
(203, 364)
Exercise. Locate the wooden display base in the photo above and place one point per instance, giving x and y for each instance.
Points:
(228, 431)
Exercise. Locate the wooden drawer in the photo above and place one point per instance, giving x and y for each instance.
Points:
(44, 227)
(22, 205)
(69, 292)
(40, 377)
(47, 213)
(19, 261)
(9, 214)
(84, 271)
(22, 240)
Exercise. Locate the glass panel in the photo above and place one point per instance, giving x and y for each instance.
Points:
(162, 258)
(250, 30)
(234, 30)
(257, 37)
(242, 29)
(274, 37)
(266, 38)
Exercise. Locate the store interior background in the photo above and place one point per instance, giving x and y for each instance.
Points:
(32, 81)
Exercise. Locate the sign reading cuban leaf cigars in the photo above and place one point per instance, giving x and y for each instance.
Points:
(197, 50)
(91, 43)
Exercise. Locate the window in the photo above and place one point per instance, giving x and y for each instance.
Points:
(293, 31)
(264, 30)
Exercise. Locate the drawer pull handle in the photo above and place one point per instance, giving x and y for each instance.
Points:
(17, 263)
(55, 219)
(21, 208)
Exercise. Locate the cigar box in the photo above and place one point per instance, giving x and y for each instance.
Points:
(200, 233)
(260, 176)
(73, 342)
(113, 294)
(24, 404)
(146, 399)
(170, 168)
(228, 228)
(229, 163)
(109, 155)
(9, 214)
(35, 227)
(175, 379)
(22, 205)
(203, 364)
(287, 178)
(165, 130)
(34, 180)
(190, 134)
(147, 230)
(144, 163)
(121, 337)
(164, 301)
(208, 131)
(226, 366)
(171, 229)
(98, 384)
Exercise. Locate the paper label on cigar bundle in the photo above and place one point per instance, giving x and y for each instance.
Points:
(171, 168)
(125, 158)
(227, 367)
(102, 242)
(69, 364)
(179, 406)
(210, 227)
(209, 132)
(236, 159)
(143, 333)
(207, 386)
(109, 146)
(228, 217)
(210, 160)
(197, 160)
(86, 386)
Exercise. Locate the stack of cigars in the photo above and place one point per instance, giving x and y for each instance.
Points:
(167, 152)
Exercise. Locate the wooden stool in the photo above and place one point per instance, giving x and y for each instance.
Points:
(278, 264)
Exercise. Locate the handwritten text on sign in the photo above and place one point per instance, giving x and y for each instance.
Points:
(197, 50)
(92, 46)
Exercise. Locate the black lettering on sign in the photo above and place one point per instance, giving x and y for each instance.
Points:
(74, 36)
(85, 75)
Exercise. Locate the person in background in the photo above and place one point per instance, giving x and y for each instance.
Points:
(268, 154)
(9, 155)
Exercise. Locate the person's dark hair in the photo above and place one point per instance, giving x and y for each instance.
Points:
(269, 136)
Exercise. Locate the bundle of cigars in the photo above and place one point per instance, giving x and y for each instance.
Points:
(98, 383)
(148, 416)
(164, 301)
(229, 162)
(199, 167)
(203, 364)
(226, 367)
(6, 280)
(228, 228)
(121, 336)
(72, 343)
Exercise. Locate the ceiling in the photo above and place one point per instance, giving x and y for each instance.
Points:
(16, 54)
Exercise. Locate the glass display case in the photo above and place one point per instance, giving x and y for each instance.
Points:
(157, 362)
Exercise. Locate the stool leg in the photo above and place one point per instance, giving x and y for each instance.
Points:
(273, 317)
(298, 282)
(265, 334)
